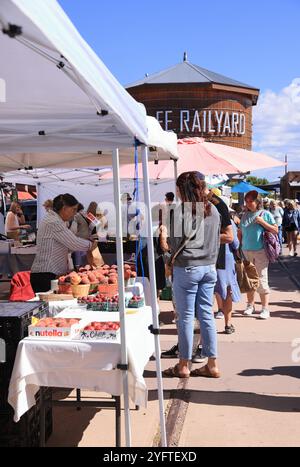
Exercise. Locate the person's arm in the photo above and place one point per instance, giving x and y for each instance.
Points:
(227, 234)
(10, 224)
(235, 243)
(273, 228)
(21, 218)
(66, 237)
(226, 227)
(163, 239)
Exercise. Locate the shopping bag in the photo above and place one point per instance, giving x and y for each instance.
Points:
(94, 258)
(246, 272)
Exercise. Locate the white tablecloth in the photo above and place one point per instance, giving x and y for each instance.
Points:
(85, 365)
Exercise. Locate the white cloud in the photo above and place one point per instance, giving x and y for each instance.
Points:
(276, 126)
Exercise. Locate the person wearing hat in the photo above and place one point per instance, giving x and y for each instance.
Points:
(216, 191)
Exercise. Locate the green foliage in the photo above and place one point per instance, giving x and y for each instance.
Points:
(257, 181)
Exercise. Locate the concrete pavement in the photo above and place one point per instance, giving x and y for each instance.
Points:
(256, 402)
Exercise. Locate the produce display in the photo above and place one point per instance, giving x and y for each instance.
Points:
(101, 302)
(55, 328)
(136, 302)
(56, 322)
(104, 279)
(102, 326)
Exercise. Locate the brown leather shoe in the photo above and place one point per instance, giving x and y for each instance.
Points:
(205, 372)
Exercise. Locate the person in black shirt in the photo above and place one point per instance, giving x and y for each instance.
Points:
(226, 227)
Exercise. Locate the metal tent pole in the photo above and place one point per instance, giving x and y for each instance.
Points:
(154, 306)
(119, 244)
(175, 177)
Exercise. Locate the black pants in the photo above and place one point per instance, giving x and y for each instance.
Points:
(41, 281)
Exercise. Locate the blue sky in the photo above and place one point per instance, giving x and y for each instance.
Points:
(254, 42)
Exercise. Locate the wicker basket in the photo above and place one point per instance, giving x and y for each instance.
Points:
(108, 289)
(65, 288)
(80, 290)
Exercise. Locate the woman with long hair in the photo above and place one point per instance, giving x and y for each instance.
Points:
(194, 240)
(15, 221)
(253, 224)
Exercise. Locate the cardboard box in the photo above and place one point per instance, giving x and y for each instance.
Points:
(53, 332)
(107, 335)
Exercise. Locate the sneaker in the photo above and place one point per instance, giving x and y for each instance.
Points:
(229, 329)
(265, 314)
(249, 310)
(291, 253)
(295, 254)
(197, 357)
(173, 352)
(219, 314)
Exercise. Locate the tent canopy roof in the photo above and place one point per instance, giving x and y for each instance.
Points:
(57, 96)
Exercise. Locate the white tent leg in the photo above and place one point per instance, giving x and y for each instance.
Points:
(175, 177)
(119, 244)
(153, 294)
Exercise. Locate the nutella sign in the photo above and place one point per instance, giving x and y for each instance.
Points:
(218, 122)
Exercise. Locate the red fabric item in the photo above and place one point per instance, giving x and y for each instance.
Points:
(20, 287)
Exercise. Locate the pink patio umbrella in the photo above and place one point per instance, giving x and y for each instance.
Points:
(208, 158)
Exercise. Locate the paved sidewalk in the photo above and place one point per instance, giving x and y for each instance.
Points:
(257, 400)
(255, 403)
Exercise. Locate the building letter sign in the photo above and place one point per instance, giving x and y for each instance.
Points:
(212, 122)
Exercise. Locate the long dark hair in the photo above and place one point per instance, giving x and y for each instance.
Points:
(64, 200)
(192, 189)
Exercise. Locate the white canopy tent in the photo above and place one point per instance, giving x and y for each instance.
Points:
(86, 185)
(60, 106)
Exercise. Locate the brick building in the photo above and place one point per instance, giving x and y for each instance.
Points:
(290, 185)
(193, 101)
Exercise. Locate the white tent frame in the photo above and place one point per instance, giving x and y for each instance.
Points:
(41, 15)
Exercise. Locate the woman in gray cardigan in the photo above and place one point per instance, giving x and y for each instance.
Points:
(195, 232)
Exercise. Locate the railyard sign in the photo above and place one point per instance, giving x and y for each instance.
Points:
(218, 122)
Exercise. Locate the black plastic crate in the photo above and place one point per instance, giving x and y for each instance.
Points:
(26, 432)
(15, 317)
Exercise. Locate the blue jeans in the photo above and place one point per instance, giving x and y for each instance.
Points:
(194, 294)
(280, 235)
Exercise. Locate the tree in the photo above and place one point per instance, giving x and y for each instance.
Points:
(257, 181)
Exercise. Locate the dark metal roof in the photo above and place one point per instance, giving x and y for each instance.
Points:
(186, 72)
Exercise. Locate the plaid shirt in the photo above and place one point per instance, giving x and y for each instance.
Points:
(54, 242)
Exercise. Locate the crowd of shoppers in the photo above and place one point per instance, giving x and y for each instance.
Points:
(201, 272)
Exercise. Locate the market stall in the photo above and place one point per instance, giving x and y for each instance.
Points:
(51, 362)
(63, 108)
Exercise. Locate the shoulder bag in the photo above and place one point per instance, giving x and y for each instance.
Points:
(247, 275)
